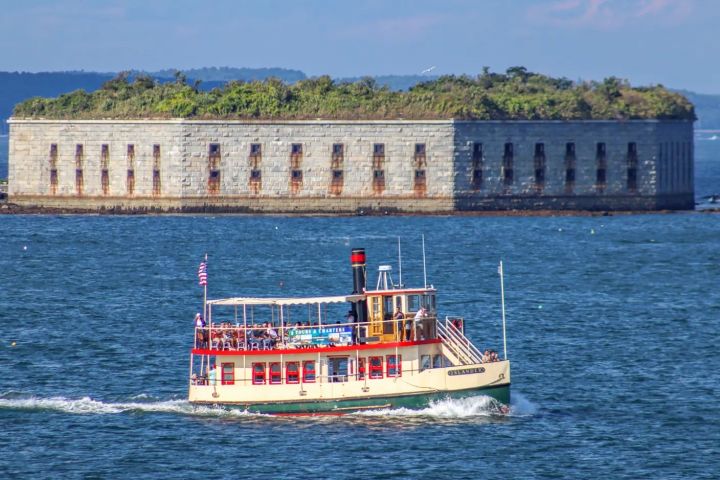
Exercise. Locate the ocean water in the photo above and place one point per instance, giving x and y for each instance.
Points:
(613, 324)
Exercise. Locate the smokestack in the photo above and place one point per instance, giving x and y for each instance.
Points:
(357, 260)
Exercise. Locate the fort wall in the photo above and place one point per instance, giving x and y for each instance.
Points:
(350, 166)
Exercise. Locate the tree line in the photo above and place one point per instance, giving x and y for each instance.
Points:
(516, 94)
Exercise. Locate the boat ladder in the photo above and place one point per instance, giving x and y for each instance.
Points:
(458, 344)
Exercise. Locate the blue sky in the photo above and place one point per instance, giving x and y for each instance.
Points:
(673, 42)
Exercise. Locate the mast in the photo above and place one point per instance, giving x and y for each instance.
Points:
(502, 297)
(424, 268)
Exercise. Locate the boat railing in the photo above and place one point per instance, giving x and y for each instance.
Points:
(229, 336)
(457, 342)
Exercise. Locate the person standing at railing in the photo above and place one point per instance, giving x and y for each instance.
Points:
(418, 321)
(399, 316)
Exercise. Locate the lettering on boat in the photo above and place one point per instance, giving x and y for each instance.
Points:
(467, 371)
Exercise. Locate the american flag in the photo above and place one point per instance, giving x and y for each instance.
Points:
(202, 274)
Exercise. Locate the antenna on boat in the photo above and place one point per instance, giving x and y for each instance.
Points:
(502, 297)
(400, 262)
(424, 268)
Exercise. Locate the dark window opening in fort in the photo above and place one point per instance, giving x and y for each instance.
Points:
(53, 168)
(570, 161)
(338, 155)
(296, 179)
(296, 155)
(79, 169)
(632, 164)
(477, 165)
(601, 167)
(507, 165)
(255, 149)
(378, 181)
(419, 157)
(130, 182)
(255, 181)
(539, 161)
(336, 183)
(378, 167)
(420, 185)
(156, 184)
(214, 156)
(104, 168)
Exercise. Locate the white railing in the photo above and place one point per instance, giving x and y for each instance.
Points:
(458, 344)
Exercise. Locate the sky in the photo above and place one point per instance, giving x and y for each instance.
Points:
(669, 42)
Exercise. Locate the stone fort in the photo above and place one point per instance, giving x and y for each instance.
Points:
(351, 166)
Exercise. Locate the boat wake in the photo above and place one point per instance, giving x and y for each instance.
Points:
(458, 408)
(464, 408)
(89, 406)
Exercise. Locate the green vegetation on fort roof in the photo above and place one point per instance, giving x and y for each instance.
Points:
(516, 94)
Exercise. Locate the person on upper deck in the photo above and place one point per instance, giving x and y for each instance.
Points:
(418, 321)
(399, 316)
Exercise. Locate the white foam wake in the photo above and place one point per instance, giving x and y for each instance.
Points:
(89, 406)
(478, 406)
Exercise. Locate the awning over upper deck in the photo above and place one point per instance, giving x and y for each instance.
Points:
(284, 301)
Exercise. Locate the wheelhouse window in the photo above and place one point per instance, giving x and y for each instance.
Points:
(376, 367)
(309, 371)
(258, 374)
(275, 373)
(292, 372)
(228, 374)
(394, 366)
(413, 303)
(437, 361)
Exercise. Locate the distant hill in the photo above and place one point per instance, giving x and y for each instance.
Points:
(225, 74)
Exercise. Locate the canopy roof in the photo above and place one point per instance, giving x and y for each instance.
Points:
(284, 301)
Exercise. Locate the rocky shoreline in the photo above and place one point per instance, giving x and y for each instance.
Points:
(7, 208)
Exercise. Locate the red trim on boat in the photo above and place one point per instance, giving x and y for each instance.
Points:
(299, 351)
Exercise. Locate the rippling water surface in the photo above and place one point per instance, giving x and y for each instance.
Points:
(613, 324)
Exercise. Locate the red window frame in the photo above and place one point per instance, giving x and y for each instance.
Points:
(376, 371)
(361, 369)
(275, 375)
(307, 371)
(397, 364)
(227, 378)
(258, 376)
(295, 374)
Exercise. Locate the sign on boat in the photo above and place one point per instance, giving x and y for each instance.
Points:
(370, 349)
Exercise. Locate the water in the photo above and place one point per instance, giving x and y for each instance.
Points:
(612, 330)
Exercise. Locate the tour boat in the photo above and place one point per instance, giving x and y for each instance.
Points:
(367, 350)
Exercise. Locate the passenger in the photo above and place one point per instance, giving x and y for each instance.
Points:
(271, 337)
(350, 317)
(418, 321)
(199, 322)
(212, 374)
(399, 316)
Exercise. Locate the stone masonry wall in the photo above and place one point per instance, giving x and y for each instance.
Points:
(428, 166)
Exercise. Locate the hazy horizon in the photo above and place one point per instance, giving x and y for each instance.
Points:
(644, 41)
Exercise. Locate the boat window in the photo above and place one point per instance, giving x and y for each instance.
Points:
(258, 376)
(398, 302)
(437, 361)
(292, 374)
(394, 366)
(309, 371)
(424, 362)
(275, 373)
(337, 369)
(376, 307)
(376, 367)
(413, 303)
(228, 374)
(388, 305)
(361, 369)
(428, 302)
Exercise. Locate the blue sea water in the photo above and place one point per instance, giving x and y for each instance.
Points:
(613, 325)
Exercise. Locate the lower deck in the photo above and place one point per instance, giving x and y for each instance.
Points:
(353, 377)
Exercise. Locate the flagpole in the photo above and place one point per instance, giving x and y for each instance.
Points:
(205, 295)
(502, 296)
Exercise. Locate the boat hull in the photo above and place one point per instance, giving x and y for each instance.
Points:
(341, 406)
